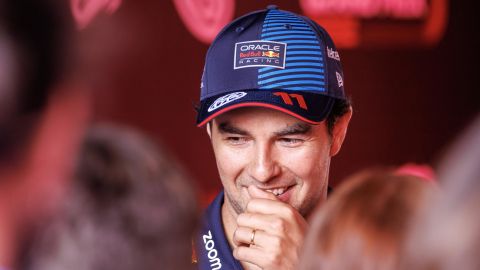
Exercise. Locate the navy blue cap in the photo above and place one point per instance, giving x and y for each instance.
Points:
(275, 59)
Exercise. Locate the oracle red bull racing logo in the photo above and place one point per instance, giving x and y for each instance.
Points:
(259, 53)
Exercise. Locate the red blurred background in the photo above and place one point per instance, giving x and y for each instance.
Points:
(411, 94)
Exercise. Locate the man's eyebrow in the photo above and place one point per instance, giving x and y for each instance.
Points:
(226, 127)
(297, 128)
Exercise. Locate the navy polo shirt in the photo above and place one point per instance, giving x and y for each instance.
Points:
(212, 249)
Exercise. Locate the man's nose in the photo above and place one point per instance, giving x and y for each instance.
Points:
(263, 165)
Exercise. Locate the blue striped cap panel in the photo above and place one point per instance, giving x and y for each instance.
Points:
(304, 63)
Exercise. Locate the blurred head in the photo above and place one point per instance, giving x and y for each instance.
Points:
(35, 59)
(131, 207)
(43, 111)
(363, 224)
(446, 235)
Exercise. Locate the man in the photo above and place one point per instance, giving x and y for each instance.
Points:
(273, 103)
(42, 118)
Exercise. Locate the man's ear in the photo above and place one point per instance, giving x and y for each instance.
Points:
(339, 131)
(209, 130)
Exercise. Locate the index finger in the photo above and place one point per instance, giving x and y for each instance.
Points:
(271, 207)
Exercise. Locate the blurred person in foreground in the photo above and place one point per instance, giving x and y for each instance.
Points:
(363, 224)
(44, 111)
(274, 106)
(130, 207)
(446, 235)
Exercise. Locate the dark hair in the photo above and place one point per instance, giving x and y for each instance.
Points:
(38, 32)
(340, 107)
(131, 207)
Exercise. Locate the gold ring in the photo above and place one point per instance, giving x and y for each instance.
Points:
(252, 237)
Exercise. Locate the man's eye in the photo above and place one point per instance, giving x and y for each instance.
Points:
(291, 141)
(236, 140)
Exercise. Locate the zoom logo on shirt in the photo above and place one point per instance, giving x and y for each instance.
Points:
(212, 254)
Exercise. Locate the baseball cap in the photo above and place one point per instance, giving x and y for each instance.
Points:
(275, 59)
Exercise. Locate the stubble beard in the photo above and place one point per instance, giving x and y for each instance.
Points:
(235, 204)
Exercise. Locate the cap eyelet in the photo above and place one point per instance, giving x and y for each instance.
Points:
(239, 29)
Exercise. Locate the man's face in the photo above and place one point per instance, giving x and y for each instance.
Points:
(274, 152)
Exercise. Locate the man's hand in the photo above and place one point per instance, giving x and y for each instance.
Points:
(279, 233)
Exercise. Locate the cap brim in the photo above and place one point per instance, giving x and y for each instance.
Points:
(309, 107)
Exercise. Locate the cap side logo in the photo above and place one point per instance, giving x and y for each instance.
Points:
(259, 53)
(224, 100)
(339, 80)
(333, 54)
